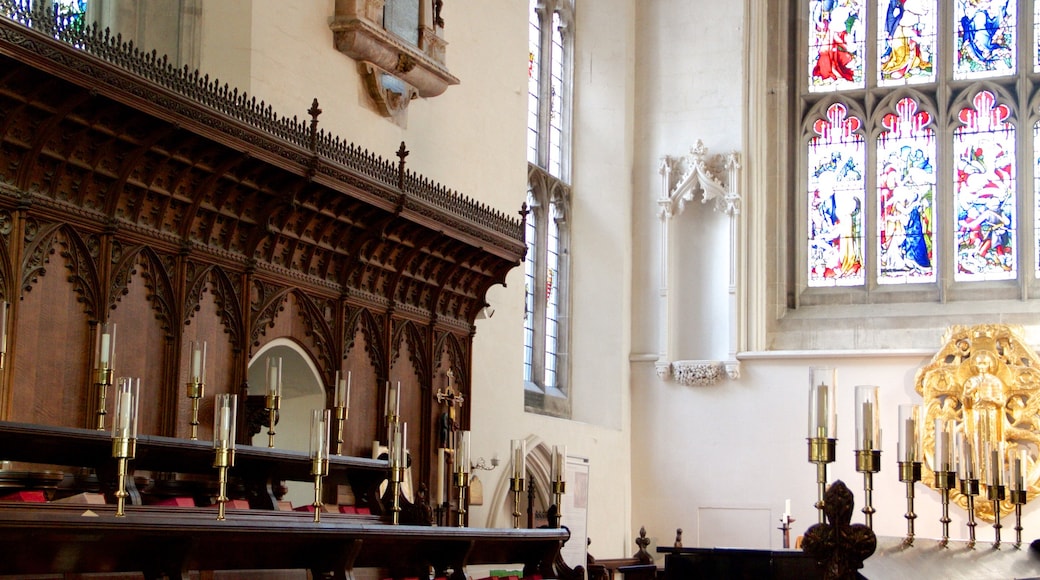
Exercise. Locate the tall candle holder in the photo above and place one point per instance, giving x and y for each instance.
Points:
(461, 473)
(967, 475)
(398, 461)
(995, 484)
(341, 408)
(319, 451)
(868, 437)
(908, 450)
(1017, 493)
(105, 352)
(274, 395)
(822, 428)
(558, 477)
(124, 434)
(945, 476)
(518, 458)
(197, 384)
(225, 415)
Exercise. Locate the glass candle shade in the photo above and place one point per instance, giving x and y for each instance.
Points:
(319, 440)
(518, 458)
(462, 451)
(106, 345)
(342, 397)
(559, 463)
(124, 424)
(198, 361)
(868, 424)
(225, 413)
(822, 420)
(943, 445)
(274, 376)
(908, 448)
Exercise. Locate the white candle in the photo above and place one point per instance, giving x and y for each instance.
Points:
(196, 364)
(440, 475)
(397, 400)
(3, 326)
(346, 399)
(105, 345)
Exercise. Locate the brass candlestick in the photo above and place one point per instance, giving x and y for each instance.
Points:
(225, 416)
(102, 380)
(995, 493)
(272, 403)
(274, 395)
(320, 421)
(909, 473)
(341, 414)
(124, 435)
(559, 487)
(105, 356)
(196, 390)
(1018, 498)
(821, 452)
(868, 462)
(396, 477)
(517, 486)
(462, 482)
(945, 481)
(320, 469)
(970, 488)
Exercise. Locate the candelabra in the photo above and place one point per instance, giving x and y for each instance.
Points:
(274, 395)
(822, 428)
(461, 473)
(909, 473)
(225, 414)
(124, 434)
(995, 484)
(197, 384)
(320, 422)
(103, 373)
(945, 476)
(908, 451)
(559, 485)
(969, 481)
(868, 435)
(970, 488)
(1017, 494)
(341, 406)
(518, 458)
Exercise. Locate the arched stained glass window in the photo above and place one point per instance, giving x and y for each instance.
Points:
(986, 33)
(984, 191)
(906, 195)
(906, 42)
(836, 200)
(837, 43)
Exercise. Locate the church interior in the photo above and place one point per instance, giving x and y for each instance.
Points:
(364, 289)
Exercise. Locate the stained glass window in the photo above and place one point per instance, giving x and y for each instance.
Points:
(906, 191)
(986, 32)
(552, 297)
(836, 200)
(906, 41)
(984, 191)
(837, 41)
(530, 279)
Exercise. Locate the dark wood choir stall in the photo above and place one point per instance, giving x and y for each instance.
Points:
(152, 197)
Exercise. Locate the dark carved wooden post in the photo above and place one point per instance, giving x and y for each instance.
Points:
(838, 546)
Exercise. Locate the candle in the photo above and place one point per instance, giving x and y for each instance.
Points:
(274, 376)
(397, 400)
(440, 475)
(224, 421)
(787, 509)
(106, 340)
(907, 446)
(462, 452)
(942, 446)
(198, 361)
(559, 463)
(519, 458)
(3, 326)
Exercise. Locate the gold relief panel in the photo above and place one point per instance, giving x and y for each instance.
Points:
(985, 380)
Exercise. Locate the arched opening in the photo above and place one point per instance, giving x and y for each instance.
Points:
(302, 391)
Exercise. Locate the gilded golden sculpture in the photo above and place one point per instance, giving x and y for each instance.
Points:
(987, 380)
